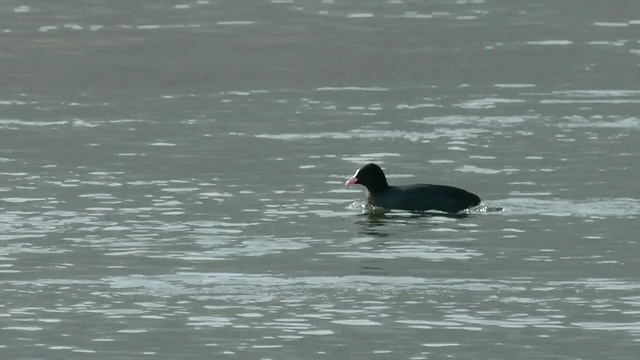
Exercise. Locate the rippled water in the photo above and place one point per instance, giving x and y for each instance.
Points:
(171, 180)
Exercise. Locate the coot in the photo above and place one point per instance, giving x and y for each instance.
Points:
(417, 197)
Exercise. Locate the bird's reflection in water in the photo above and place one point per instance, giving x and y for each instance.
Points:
(373, 267)
(373, 222)
(377, 222)
(384, 227)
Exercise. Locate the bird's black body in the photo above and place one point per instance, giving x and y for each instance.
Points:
(418, 197)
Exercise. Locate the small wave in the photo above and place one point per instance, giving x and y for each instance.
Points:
(352, 88)
(627, 123)
(616, 207)
(458, 134)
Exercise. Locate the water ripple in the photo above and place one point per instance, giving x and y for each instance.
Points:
(617, 207)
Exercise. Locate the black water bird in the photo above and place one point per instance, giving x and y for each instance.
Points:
(416, 197)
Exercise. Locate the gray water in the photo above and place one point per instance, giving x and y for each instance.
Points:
(171, 179)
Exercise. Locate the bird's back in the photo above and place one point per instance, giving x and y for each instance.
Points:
(423, 197)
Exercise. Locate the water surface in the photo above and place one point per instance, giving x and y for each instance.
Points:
(171, 180)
